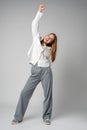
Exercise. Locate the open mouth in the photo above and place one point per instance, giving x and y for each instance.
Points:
(47, 40)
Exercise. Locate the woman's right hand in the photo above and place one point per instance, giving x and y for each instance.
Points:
(42, 7)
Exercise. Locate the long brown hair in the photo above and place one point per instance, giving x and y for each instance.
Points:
(53, 46)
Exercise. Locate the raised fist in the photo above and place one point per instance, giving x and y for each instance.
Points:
(42, 7)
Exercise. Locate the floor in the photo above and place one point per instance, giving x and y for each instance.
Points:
(33, 121)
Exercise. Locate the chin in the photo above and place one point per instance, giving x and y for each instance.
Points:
(46, 42)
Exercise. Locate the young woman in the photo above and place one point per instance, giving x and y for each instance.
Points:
(41, 55)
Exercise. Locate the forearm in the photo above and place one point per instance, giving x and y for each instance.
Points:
(35, 24)
(39, 13)
(35, 21)
(37, 17)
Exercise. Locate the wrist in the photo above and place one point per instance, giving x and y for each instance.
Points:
(40, 10)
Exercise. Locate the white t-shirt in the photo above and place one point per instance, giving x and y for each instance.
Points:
(45, 57)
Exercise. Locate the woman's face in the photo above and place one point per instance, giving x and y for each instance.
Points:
(49, 39)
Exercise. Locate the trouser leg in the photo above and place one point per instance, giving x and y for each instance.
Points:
(47, 83)
(25, 96)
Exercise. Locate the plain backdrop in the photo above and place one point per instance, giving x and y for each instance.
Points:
(66, 18)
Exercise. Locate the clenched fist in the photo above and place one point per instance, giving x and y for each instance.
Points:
(42, 7)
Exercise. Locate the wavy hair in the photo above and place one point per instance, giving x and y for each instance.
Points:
(53, 46)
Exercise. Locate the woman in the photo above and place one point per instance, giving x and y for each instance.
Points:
(41, 54)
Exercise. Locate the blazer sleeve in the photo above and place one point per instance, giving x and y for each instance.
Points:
(35, 24)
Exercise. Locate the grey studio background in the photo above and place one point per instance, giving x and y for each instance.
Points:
(67, 18)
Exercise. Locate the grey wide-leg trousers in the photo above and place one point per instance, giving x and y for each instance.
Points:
(38, 74)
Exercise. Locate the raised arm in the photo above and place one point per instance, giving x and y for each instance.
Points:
(35, 22)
